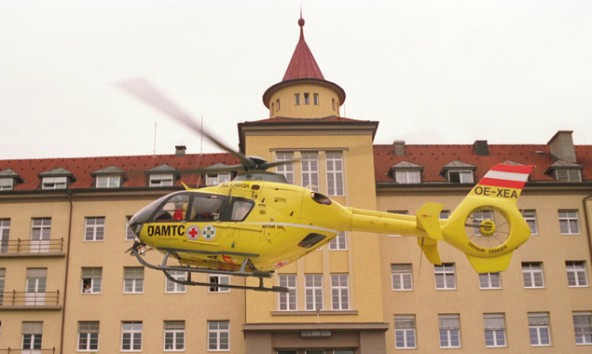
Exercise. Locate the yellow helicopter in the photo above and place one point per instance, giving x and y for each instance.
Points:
(258, 223)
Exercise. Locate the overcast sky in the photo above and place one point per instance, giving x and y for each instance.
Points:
(443, 72)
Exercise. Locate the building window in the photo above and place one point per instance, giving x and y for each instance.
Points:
(174, 287)
(405, 336)
(583, 327)
(576, 274)
(40, 234)
(129, 234)
(91, 280)
(449, 331)
(297, 99)
(94, 228)
(88, 335)
(287, 300)
(277, 105)
(315, 99)
(568, 175)
(36, 284)
(54, 182)
(490, 281)
(339, 243)
(310, 170)
(214, 180)
(333, 104)
(2, 282)
(313, 291)
(108, 182)
(538, 328)
(219, 335)
(131, 336)
(334, 162)
(32, 336)
(287, 169)
(532, 274)
(339, 292)
(306, 98)
(402, 276)
(460, 176)
(4, 235)
(445, 276)
(495, 330)
(133, 280)
(221, 280)
(569, 222)
(174, 335)
(530, 218)
(161, 180)
(6, 184)
(407, 176)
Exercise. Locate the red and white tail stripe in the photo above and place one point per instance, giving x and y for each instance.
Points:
(507, 176)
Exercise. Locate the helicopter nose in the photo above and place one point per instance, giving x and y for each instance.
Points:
(135, 228)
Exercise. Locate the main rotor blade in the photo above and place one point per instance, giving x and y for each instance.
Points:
(147, 93)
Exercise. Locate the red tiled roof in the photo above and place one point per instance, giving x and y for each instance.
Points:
(134, 168)
(303, 64)
(434, 157)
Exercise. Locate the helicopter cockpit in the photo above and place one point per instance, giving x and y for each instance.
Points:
(192, 207)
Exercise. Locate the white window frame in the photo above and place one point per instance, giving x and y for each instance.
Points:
(464, 176)
(408, 175)
(494, 325)
(402, 277)
(218, 279)
(340, 297)
(577, 276)
(569, 223)
(339, 242)
(288, 301)
(218, 336)
(287, 169)
(216, 179)
(131, 331)
(4, 235)
(573, 175)
(405, 332)
(171, 287)
(173, 336)
(88, 336)
(310, 169)
(490, 281)
(313, 291)
(48, 183)
(161, 180)
(445, 276)
(6, 184)
(449, 328)
(93, 277)
(32, 336)
(129, 234)
(94, 228)
(107, 181)
(538, 329)
(133, 280)
(334, 173)
(533, 275)
(582, 321)
(530, 217)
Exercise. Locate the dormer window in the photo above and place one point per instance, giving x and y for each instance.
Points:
(6, 184)
(215, 179)
(9, 179)
(54, 182)
(565, 171)
(108, 182)
(459, 172)
(406, 172)
(161, 180)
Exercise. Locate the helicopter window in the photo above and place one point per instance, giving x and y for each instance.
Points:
(205, 208)
(240, 210)
(174, 209)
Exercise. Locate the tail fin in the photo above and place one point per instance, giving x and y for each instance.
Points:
(487, 226)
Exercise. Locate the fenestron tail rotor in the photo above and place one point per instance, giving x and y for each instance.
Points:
(146, 92)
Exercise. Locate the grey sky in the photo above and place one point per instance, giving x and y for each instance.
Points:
(447, 72)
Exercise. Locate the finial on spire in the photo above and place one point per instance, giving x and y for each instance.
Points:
(301, 20)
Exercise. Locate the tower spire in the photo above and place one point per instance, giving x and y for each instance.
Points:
(303, 64)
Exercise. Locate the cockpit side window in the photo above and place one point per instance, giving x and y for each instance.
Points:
(175, 209)
(205, 208)
(240, 210)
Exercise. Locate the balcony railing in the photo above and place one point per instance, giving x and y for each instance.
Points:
(40, 248)
(22, 300)
(27, 351)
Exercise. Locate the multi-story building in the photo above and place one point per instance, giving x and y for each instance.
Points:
(67, 285)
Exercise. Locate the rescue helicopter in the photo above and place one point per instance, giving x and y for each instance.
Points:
(257, 223)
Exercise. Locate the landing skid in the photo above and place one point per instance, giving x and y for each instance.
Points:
(138, 251)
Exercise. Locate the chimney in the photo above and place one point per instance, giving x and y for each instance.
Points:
(562, 147)
(481, 148)
(180, 150)
(399, 147)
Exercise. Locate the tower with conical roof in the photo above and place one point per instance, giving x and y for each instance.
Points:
(303, 92)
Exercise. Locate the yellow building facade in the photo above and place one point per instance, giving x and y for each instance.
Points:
(68, 286)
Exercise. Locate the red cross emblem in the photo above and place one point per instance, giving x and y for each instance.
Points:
(193, 233)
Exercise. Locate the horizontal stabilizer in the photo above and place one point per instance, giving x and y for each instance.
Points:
(430, 250)
(490, 265)
(428, 218)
